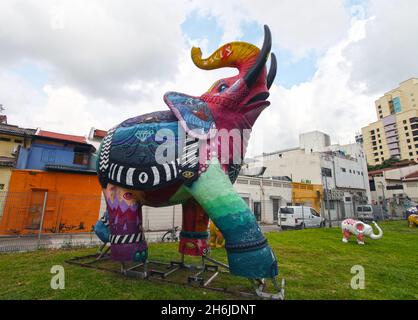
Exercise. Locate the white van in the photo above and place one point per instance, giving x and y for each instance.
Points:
(299, 217)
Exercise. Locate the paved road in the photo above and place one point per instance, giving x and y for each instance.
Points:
(270, 228)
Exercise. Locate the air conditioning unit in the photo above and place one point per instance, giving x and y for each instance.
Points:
(15, 150)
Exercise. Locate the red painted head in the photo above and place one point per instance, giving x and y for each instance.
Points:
(237, 101)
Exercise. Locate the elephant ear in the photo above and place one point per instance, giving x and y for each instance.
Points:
(359, 227)
(194, 114)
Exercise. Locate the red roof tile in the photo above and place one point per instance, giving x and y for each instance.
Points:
(100, 133)
(411, 176)
(62, 136)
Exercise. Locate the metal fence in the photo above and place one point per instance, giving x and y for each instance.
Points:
(42, 219)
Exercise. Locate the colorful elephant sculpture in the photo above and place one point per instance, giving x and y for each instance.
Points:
(360, 230)
(413, 220)
(181, 156)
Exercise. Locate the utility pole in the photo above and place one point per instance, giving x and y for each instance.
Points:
(383, 200)
(328, 205)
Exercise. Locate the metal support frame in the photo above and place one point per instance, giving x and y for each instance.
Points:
(143, 271)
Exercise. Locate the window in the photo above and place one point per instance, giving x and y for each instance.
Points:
(18, 141)
(286, 210)
(408, 140)
(376, 160)
(377, 130)
(331, 205)
(409, 147)
(407, 134)
(411, 154)
(380, 147)
(343, 170)
(406, 128)
(395, 187)
(404, 122)
(383, 159)
(48, 156)
(81, 158)
(313, 212)
(1, 186)
(326, 172)
(347, 199)
(4, 139)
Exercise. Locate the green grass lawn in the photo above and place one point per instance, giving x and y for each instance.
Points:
(315, 264)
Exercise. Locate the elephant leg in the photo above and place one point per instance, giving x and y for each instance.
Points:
(127, 239)
(194, 231)
(249, 254)
(346, 236)
(360, 238)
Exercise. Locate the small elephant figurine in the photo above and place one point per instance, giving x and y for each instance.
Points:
(413, 220)
(359, 229)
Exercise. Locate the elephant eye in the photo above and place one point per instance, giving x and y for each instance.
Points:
(222, 87)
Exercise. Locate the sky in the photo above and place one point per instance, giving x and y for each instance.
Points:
(67, 66)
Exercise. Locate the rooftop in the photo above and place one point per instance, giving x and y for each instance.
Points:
(62, 136)
(100, 133)
(411, 177)
(15, 130)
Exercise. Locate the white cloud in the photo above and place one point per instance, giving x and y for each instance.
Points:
(96, 46)
(388, 55)
(328, 102)
(297, 25)
(107, 62)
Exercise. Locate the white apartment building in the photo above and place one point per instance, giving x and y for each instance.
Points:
(342, 169)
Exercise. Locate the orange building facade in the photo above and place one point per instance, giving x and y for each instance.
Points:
(307, 194)
(72, 203)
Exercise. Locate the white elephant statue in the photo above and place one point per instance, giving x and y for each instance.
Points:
(359, 229)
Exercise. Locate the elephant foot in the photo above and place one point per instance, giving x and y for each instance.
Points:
(255, 264)
(125, 252)
(345, 240)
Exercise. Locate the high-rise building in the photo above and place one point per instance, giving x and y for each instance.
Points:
(395, 134)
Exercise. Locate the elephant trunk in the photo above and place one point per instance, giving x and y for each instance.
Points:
(376, 236)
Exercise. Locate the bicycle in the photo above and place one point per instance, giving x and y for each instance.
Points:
(172, 235)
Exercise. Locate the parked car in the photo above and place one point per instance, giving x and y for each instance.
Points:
(365, 213)
(299, 217)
